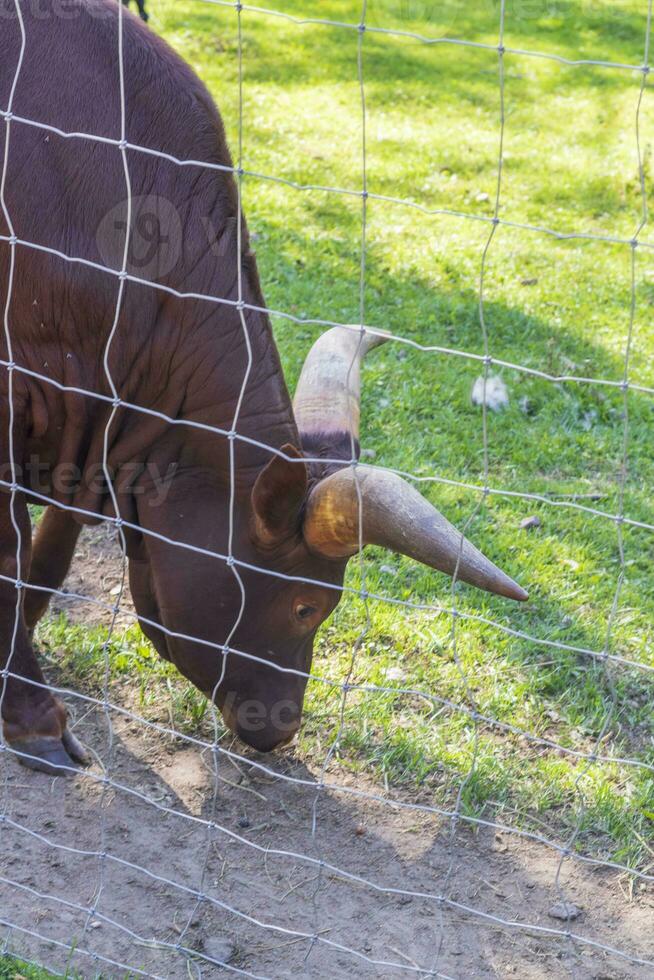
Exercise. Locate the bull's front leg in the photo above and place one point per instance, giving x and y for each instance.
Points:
(34, 721)
(52, 552)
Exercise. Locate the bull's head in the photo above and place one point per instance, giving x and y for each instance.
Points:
(301, 519)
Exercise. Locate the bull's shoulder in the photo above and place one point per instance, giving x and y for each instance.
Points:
(69, 78)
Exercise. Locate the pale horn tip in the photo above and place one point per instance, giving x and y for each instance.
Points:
(519, 593)
(475, 569)
(369, 339)
(511, 590)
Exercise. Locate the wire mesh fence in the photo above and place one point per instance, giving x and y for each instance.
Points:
(218, 841)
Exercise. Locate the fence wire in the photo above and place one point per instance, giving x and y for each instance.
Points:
(109, 782)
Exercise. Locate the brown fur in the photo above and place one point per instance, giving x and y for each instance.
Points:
(185, 358)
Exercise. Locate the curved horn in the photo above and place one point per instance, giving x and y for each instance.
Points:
(328, 394)
(395, 516)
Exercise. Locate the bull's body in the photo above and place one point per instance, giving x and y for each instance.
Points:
(183, 358)
(186, 359)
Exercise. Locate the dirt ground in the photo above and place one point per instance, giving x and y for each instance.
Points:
(154, 816)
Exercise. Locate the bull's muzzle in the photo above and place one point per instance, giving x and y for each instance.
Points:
(262, 726)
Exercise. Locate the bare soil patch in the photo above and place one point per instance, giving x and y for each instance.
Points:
(153, 815)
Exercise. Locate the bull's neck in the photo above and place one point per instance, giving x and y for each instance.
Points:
(229, 368)
(266, 411)
(239, 385)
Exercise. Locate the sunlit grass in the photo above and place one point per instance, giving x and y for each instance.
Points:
(13, 969)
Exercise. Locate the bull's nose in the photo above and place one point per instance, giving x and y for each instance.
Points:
(264, 728)
(267, 739)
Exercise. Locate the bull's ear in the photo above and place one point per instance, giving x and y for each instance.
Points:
(278, 496)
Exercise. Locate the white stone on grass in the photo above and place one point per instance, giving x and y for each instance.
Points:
(494, 393)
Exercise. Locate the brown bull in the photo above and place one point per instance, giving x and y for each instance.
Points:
(183, 359)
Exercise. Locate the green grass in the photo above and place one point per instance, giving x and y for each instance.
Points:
(13, 969)
(558, 307)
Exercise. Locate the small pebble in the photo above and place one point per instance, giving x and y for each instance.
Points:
(243, 822)
(530, 522)
(221, 950)
(566, 911)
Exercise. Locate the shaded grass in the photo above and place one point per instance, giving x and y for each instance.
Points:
(562, 308)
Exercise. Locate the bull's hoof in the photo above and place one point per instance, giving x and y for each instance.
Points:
(54, 756)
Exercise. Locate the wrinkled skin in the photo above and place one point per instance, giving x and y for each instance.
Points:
(185, 358)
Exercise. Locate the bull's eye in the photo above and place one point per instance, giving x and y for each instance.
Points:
(304, 611)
